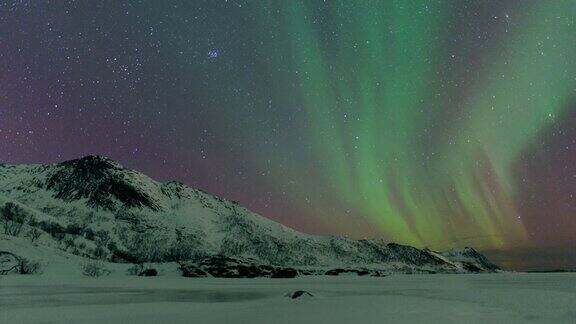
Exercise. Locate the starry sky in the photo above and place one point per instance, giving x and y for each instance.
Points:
(431, 123)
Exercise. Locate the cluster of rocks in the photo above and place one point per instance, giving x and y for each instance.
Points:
(359, 272)
(148, 273)
(226, 267)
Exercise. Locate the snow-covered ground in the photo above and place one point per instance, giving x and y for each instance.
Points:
(481, 298)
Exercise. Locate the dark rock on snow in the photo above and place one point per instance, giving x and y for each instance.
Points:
(191, 271)
(225, 267)
(148, 273)
(284, 273)
(359, 272)
(298, 294)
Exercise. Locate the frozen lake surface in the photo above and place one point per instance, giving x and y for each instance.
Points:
(484, 298)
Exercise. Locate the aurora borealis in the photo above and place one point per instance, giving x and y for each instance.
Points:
(431, 123)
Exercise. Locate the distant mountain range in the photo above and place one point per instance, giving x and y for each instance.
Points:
(95, 208)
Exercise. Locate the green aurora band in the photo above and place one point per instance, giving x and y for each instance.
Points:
(424, 168)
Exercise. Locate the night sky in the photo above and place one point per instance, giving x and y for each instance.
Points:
(431, 123)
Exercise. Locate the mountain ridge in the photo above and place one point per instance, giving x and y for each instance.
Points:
(96, 208)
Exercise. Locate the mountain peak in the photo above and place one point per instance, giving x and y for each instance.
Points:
(466, 251)
(469, 254)
(92, 163)
(100, 180)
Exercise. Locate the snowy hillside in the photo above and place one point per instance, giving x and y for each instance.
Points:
(94, 208)
(470, 258)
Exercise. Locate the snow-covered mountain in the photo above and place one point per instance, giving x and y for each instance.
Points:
(95, 208)
(470, 259)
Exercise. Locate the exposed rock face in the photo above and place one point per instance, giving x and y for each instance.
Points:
(101, 181)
